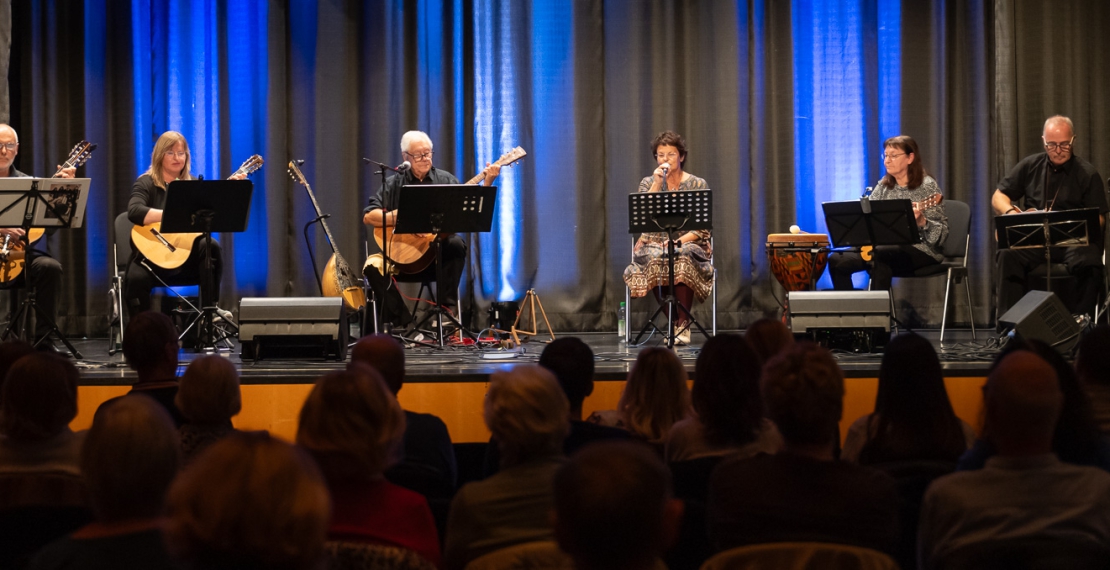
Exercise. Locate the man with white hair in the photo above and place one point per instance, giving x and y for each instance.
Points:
(416, 149)
(1052, 180)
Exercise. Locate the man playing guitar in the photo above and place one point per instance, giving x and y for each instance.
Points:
(416, 149)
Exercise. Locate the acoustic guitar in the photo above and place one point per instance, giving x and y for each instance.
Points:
(338, 280)
(12, 250)
(866, 251)
(412, 253)
(169, 251)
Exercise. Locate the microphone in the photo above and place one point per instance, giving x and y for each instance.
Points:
(404, 166)
(200, 177)
(400, 168)
(867, 191)
(666, 168)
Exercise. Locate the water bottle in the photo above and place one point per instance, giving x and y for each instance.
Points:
(621, 332)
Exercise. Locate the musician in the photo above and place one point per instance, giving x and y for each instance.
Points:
(44, 272)
(1052, 180)
(905, 179)
(170, 161)
(416, 149)
(693, 270)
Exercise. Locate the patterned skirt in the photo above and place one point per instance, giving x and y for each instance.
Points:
(649, 269)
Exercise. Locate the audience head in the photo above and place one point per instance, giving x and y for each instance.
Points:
(248, 501)
(726, 390)
(209, 391)
(614, 506)
(130, 456)
(39, 397)
(526, 411)
(803, 390)
(352, 425)
(656, 395)
(1089, 365)
(10, 351)
(768, 337)
(1022, 401)
(150, 344)
(384, 354)
(572, 363)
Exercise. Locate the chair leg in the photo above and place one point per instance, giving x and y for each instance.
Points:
(627, 315)
(944, 315)
(970, 310)
(714, 302)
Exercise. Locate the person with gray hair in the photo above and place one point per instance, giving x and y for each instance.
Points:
(526, 411)
(1024, 493)
(416, 150)
(1055, 179)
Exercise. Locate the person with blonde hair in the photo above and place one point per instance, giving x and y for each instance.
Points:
(654, 398)
(526, 411)
(248, 501)
(207, 397)
(353, 426)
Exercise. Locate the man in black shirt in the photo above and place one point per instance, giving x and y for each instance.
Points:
(416, 149)
(1053, 180)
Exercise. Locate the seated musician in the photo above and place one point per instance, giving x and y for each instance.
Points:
(905, 179)
(1052, 180)
(170, 161)
(416, 149)
(44, 273)
(693, 270)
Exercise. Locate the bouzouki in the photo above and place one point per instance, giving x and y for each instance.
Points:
(412, 253)
(866, 251)
(11, 251)
(169, 251)
(338, 280)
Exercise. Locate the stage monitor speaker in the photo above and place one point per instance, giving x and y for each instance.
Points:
(293, 327)
(857, 321)
(1042, 315)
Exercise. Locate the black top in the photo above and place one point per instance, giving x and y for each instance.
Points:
(389, 196)
(144, 196)
(164, 393)
(144, 550)
(428, 458)
(1074, 184)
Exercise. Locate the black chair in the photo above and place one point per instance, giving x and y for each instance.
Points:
(1029, 553)
(36, 509)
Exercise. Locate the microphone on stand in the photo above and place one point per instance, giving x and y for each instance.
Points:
(867, 192)
(400, 168)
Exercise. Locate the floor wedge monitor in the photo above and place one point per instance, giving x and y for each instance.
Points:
(1042, 315)
(293, 327)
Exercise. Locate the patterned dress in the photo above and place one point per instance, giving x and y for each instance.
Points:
(649, 268)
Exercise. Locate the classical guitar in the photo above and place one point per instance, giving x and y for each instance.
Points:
(169, 251)
(338, 280)
(866, 251)
(11, 250)
(412, 253)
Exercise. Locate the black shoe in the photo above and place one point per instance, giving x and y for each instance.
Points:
(47, 345)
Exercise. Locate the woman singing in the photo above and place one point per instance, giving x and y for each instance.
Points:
(693, 272)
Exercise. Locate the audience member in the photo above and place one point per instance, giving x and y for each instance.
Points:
(913, 418)
(768, 337)
(728, 408)
(128, 460)
(526, 412)
(248, 501)
(1094, 374)
(802, 493)
(352, 425)
(1076, 439)
(1024, 491)
(10, 351)
(614, 508)
(150, 347)
(208, 398)
(654, 397)
(39, 400)
(427, 463)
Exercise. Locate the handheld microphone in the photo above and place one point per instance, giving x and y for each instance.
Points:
(666, 168)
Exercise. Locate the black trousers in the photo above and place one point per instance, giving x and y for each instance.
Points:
(139, 281)
(887, 262)
(44, 275)
(390, 304)
(1012, 267)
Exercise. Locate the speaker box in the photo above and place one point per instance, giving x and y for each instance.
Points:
(856, 321)
(1041, 315)
(293, 327)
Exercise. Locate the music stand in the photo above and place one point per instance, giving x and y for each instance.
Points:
(47, 203)
(671, 211)
(206, 206)
(1046, 230)
(863, 222)
(443, 209)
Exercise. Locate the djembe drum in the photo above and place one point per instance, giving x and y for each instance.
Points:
(797, 260)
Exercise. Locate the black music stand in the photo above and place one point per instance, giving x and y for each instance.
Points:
(670, 212)
(444, 209)
(206, 206)
(1046, 230)
(62, 204)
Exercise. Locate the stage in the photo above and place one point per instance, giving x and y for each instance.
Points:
(451, 382)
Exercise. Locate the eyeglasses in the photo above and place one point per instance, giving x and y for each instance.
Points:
(668, 156)
(10, 146)
(1051, 146)
(886, 156)
(177, 153)
(421, 157)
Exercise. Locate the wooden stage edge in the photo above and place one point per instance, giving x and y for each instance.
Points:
(452, 383)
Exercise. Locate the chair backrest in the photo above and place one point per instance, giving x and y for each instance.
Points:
(122, 237)
(1028, 552)
(541, 555)
(344, 555)
(959, 226)
(801, 556)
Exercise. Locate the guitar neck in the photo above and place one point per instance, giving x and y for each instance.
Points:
(481, 175)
